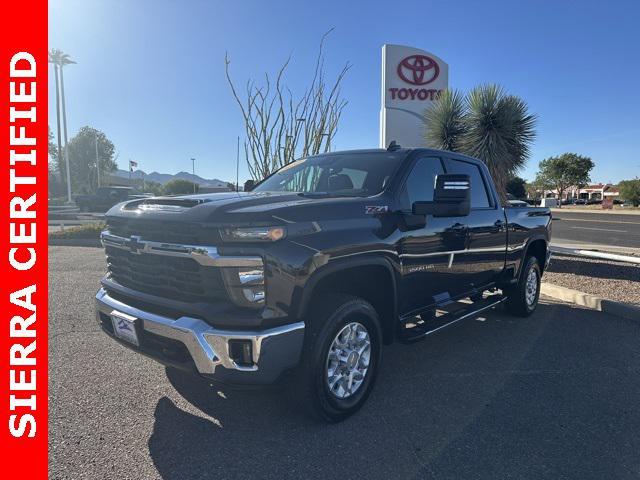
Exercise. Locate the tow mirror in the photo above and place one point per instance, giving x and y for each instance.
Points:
(451, 197)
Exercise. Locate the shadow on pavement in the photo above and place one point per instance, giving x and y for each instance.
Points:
(550, 396)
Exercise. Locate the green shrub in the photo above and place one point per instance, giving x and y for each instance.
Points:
(89, 231)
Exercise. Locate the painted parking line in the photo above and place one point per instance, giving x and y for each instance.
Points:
(600, 229)
(568, 219)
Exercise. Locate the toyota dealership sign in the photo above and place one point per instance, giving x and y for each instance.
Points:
(411, 80)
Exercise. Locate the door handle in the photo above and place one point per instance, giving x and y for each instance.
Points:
(459, 228)
(499, 225)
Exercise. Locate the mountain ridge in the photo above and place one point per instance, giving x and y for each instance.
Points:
(163, 178)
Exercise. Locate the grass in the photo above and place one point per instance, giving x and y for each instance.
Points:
(88, 232)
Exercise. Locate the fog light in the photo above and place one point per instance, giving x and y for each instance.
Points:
(241, 352)
(245, 286)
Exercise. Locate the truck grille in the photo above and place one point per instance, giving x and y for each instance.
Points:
(177, 278)
(163, 231)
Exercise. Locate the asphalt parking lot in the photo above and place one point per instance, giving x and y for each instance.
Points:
(552, 396)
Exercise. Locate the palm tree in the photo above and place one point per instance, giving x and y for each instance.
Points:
(487, 124)
(54, 56)
(60, 59)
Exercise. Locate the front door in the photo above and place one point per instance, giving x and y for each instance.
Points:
(428, 275)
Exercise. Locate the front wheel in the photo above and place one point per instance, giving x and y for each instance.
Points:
(341, 357)
(522, 299)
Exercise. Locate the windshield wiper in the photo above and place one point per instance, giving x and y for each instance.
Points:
(314, 194)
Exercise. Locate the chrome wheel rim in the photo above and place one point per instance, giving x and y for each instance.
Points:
(531, 287)
(348, 360)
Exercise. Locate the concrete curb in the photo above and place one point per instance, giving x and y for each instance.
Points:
(74, 242)
(618, 309)
(595, 254)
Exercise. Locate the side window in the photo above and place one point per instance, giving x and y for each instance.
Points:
(479, 197)
(420, 182)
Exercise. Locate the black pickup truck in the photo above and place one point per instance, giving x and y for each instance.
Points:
(308, 275)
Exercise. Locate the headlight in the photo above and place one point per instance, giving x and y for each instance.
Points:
(245, 285)
(253, 234)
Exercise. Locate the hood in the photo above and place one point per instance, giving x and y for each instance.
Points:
(238, 208)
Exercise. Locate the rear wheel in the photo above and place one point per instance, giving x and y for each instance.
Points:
(341, 357)
(522, 299)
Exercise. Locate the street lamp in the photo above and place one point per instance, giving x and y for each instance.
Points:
(97, 159)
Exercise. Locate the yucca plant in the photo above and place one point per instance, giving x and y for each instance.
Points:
(445, 120)
(487, 124)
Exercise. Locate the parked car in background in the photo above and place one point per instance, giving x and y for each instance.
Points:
(517, 203)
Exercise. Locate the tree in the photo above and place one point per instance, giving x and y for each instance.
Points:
(564, 171)
(536, 188)
(179, 186)
(487, 124)
(55, 185)
(516, 186)
(278, 127)
(148, 186)
(630, 191)
(53, 150)
(445, 121)
(82, 158)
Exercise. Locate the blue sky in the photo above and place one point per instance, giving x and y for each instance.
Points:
(150, 74)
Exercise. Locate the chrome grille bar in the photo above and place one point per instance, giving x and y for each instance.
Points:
(204, 255)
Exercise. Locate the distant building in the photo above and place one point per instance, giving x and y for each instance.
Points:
(596, 191)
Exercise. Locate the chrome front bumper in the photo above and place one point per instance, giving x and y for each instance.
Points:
(274, 350)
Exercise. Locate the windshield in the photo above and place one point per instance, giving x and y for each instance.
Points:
(352, 174)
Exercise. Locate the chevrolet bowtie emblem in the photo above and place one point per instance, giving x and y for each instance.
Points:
(135, 245)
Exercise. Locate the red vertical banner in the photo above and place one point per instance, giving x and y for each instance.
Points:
(23, 280)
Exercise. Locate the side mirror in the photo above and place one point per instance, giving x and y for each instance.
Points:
(248, 185)
(451, 197)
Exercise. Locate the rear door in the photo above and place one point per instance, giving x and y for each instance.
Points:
(485, 253)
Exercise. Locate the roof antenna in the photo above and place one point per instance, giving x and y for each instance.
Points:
(393, 146)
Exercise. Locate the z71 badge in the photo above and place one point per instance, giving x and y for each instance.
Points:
(372, 210)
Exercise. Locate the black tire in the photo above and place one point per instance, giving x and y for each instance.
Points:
(520, 301)
(329, 318)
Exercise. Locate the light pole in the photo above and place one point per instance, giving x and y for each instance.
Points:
(65, 60)
(193, 171)
(97, 160)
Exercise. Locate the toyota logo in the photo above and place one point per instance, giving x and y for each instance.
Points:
(418, 69)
